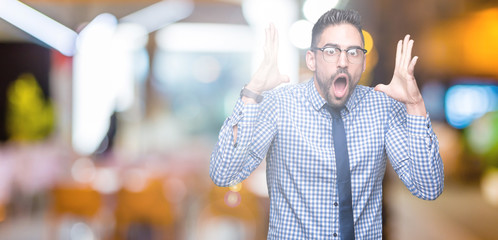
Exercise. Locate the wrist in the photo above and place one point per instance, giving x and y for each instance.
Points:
(250, 96)
(416, 109)
(254, 88)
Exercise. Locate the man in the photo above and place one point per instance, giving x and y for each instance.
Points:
(298, 129)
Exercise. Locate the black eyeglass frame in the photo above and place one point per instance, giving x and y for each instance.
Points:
(340, 50)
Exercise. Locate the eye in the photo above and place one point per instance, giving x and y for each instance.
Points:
(331, 51)
(354, 52)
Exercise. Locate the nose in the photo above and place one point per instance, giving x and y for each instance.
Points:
(343, 59)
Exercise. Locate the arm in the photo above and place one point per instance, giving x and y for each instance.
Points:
(267, 76)
(234, 159)
(413, 149)
(411, 143)
(246, 135)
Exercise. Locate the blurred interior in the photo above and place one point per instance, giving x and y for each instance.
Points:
(109, 110)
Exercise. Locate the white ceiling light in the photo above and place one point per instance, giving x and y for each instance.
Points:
(94, 87)
(160, 14)
(313, 9)
(205, 37)
(300, 34)
(39, 26)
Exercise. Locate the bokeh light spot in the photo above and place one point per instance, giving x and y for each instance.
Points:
(232, 199)
(83, 170)
(300, 34)
(368, 41)
(313, 9)
(236, 188)
(206, 69)
(489, 186)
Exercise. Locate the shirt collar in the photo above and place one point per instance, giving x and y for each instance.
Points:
(314, 97)
(318, 102)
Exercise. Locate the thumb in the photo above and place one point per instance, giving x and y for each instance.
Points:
(285, 79)
(381, 88)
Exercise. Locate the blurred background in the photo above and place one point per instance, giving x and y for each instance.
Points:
(109, 111)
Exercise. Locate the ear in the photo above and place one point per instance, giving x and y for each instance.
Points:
(310, 60)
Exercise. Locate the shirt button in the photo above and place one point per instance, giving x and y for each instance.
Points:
(335, 204)
(240, 113)
(235, 145)
(335, 234)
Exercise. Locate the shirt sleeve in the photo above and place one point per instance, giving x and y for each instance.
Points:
(232, 162)
(413, 148)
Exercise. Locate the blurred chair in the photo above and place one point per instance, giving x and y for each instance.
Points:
(78, 204)
(231, 214)
(79, 200)
(2, 212)
(144, 214)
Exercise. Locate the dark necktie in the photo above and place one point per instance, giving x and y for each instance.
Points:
(346, 224)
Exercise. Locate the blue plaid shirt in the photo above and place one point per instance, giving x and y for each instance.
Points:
(293, 130)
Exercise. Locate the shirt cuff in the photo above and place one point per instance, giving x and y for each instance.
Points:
(418, 125)
(243, 113)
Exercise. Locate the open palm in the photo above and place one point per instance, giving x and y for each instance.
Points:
(268, 76)
(403, 86)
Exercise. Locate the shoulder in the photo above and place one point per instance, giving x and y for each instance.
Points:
(288, 91)
(369, 92)
(378, 99)
(365, 94)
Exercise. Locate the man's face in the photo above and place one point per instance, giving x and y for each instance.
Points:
(335, 81)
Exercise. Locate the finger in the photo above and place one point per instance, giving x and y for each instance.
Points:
(270, 33)
(275, 41)
(398, 54)
(408, 53)
(269, 43)
(285, 79)
(405, 42)
(381, 88)
(266, 47)
(411, 67)
(403, 51)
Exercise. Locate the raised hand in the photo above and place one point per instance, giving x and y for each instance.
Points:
(403, 86)
(267, 76)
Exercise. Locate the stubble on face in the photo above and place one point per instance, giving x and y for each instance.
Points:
(325, 86)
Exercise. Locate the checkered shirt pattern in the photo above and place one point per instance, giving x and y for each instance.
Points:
(292, 129)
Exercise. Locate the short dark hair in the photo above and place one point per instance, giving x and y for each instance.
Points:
(335, 17)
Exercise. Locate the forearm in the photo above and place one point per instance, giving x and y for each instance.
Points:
(235, 128)
(427, 166)
(422, 169)
(228, 162)
(231, 161)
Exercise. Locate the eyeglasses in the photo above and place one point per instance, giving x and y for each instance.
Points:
(331, 54)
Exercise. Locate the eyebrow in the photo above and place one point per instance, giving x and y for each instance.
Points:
(337, 46)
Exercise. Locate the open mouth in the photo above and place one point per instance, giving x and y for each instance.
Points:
(340, 86)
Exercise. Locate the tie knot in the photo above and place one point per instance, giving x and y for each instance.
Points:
(334, 112)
